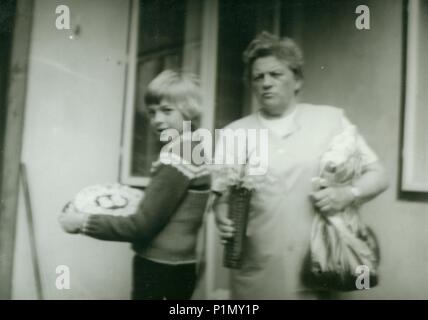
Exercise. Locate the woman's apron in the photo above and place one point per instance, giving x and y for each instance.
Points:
(280, 219)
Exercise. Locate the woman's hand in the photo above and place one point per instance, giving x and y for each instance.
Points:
(333, 199)
(72, 221)
(372, 182)
(224, 224)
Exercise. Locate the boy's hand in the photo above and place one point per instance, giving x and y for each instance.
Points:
(70, 220)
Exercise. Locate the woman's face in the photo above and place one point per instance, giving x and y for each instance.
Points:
(274, 85)
(165, 116)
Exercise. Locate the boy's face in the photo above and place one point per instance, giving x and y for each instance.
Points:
(165, 116)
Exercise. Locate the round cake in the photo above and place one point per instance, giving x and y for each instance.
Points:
(112, 199)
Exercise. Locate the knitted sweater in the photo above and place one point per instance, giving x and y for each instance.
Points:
(165, 226)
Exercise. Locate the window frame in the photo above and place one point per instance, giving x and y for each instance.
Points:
(411, 106)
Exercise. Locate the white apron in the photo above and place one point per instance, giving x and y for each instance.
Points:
(281, 214)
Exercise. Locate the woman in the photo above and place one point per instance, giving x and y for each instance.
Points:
(163, 232)
(282, 211)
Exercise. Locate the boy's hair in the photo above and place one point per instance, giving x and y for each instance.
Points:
(266, 44)
(180, 89)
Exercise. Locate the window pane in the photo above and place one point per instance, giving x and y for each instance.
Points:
(169, 38)
(236, 29)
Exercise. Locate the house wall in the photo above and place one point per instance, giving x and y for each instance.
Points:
(72, 138)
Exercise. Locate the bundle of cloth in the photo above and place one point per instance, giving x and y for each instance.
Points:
(342, 246)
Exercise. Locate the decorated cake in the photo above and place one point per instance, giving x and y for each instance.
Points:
(112, 199)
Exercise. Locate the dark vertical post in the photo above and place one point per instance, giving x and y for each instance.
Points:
(15, 106)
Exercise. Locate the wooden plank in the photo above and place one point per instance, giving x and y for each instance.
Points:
(32, 235)
(15, 103)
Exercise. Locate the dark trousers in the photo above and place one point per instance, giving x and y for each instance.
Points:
(158, 281)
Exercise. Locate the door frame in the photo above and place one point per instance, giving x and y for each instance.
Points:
(15, 106)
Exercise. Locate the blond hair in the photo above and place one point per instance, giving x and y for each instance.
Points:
(181, 90)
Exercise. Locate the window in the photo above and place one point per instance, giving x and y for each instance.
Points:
(165, 34)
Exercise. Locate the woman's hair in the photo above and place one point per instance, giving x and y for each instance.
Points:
(180, 89)
(266, 44)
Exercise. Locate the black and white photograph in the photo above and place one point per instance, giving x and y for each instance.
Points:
(213, 150)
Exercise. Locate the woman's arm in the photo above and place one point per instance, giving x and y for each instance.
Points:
(224, 224)
(372, 182)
